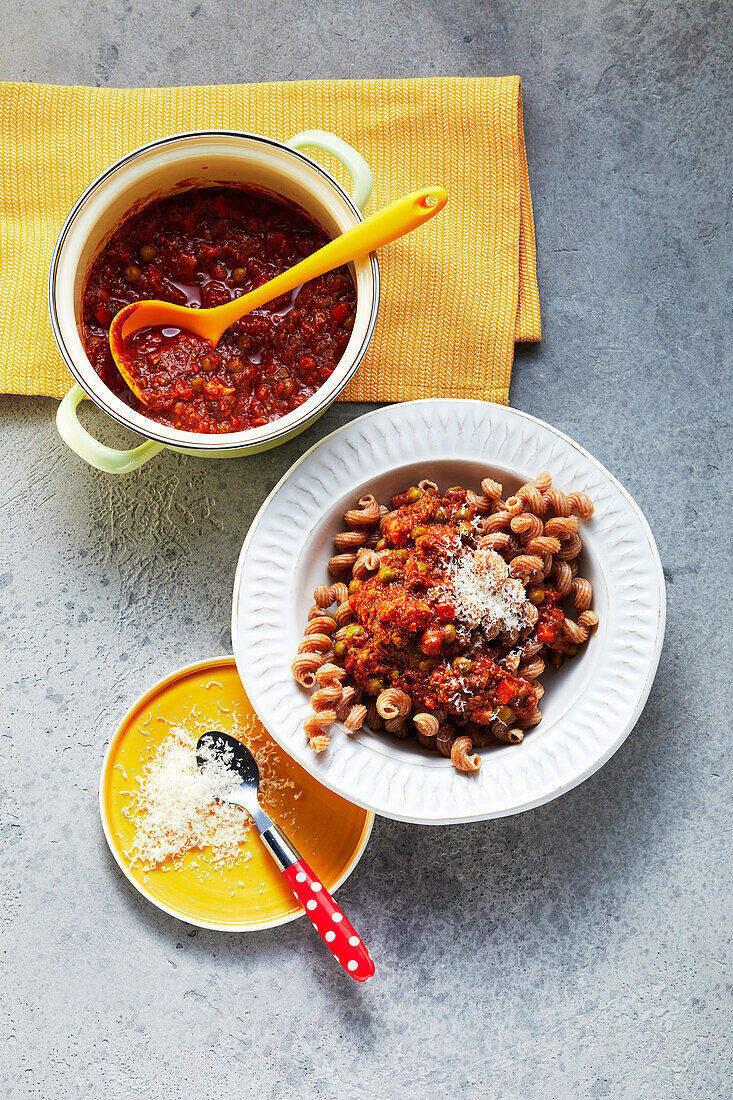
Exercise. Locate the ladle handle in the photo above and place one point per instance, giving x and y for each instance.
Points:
(338, 934)
(393, 221)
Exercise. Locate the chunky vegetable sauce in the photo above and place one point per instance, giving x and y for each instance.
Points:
(203, 248)
(412, 631)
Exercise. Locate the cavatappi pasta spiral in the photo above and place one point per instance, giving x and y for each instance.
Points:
(460, 754)
(530, 537)
(360, 524)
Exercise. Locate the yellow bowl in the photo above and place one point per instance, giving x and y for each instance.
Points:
(330, 832)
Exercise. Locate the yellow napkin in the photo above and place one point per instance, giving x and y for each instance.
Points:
(455, 294)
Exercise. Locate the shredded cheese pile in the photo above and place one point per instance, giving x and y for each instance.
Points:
(176, 808)
(484, 592)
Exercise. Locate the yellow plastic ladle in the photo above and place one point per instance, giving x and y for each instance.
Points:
(395, 220)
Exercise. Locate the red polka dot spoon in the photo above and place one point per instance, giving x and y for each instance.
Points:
(335, 930)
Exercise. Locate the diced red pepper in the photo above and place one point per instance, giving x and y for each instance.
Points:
(506, 690)
(340, 312)
(445, 611)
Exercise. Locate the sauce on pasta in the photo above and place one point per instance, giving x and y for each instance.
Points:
(409, 631)
(448, 608)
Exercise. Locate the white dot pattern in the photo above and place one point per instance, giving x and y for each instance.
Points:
(319, 912)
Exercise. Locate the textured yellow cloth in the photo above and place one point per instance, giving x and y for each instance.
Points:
(455, 295)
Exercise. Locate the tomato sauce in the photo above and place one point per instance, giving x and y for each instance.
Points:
(409, 633)
(203, 248)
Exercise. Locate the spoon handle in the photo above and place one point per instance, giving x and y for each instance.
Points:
(387, 225)
(332, 926)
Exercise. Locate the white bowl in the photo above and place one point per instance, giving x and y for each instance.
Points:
(590, 705)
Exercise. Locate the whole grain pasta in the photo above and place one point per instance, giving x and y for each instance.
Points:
(426, 724)
(570, 548)
(355, 718)
(444, 738)
(447, 611)
(583, 590)
(498, 521)
(527, 526)
(326, 595)
(323, 699)
(508, 735)
(366, 515)
(543, 544)
(366, 563)
(582, 504)
(525, 565)
(563, 577)
(530, 670)
(500, 542)
(393, 703)
(320, 624)
(460, 754)
(562, 526)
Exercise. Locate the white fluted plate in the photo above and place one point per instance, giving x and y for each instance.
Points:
(590, 705)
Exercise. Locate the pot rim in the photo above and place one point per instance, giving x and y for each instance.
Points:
(174, 437)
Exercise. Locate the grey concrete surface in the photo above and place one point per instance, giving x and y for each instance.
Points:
(580, 950)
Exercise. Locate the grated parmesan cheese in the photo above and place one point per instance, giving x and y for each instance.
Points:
(485, 594)
(176, 808)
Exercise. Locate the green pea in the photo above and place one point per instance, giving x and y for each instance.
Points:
(440, 515)
(210, 361)
(239, 275)
(413, 494)
(464, 528)
(418, 531)
(355, 631)
(353, 585)
(536, 596)
(148, 252)
(132, 273)
(394, 674)
(462, 664)
(464, 512)
(386, 574)
(341, 648)
(422, 567)
(374, 685)
(449, 632)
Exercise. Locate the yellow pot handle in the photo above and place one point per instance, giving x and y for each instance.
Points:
(362, 178)
(107, 459)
